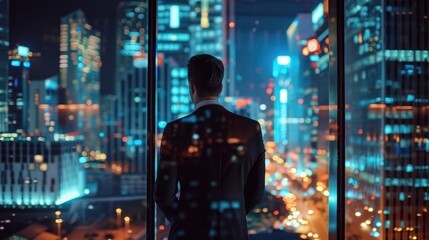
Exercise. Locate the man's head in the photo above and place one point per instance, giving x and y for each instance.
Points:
(205, 74)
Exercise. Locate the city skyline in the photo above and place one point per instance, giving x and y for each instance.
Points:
(75, 137)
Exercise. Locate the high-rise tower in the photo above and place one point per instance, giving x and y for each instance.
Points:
(212, 31)
(79, 74)
(387, 62)
(19, 71)
(4, 46)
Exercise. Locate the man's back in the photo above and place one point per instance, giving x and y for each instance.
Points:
(218, 159)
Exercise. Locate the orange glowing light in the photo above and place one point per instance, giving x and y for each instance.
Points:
(313, 45)
(269, 91)
(231, 24)
(242, 102)
(305, 51)
(124, 139)
(161, 227)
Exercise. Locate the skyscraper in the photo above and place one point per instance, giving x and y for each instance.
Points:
(387, 62)
(4, 46)
(42, 107)
(19, 71)
(297, 34)
(281, 68)
(173, 43)
(212, 31)
(79, 76)
(131, 131)
(130, 35)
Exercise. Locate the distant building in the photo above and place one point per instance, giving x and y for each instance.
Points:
(38, 172)
(131, 135)
(173, 30)
(297, 34)
(79, 75)
(42, 109)
(174, 44)
(19, 70)
(281, 68)
(387, 151)
(212, 31)
(4, 75)
(133, 184)
(131, 34)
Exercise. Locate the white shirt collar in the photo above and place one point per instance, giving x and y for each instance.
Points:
(206, 102)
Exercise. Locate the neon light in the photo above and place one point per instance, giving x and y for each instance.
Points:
(15, 63)
(317, 13)
(162, 124)
(23, 51)
(205, 14)
(174, 16)
(292, 27)
(283, 95)
(67, 197)
(283, 60)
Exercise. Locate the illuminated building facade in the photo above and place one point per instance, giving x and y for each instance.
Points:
(174, 45)
(42, 112)
(387, 64)
(79, 73)
(131, 135)
(281, 68)
(314, 77)
(39, 173)
(173, 30)
(297, 34)
(19, 70)
(4, 46)
(130, 35)
(212, 31)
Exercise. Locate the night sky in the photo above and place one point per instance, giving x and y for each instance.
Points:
(36, 24)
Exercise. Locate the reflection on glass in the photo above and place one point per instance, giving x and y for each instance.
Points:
(386, 130)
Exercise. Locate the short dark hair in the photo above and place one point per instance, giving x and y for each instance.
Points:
(206, 72)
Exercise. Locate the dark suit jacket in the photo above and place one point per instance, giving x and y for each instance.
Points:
(218, 159)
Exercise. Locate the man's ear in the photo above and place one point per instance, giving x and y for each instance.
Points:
(192, 87)
(220, 89)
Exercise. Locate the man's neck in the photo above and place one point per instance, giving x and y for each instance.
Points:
(204, 99)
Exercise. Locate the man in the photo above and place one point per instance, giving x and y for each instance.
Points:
(218, 159)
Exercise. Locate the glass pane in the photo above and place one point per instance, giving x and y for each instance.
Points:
(386, 132)
(276, 59)
(73, 155)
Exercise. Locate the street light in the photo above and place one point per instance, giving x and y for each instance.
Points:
(59, 221)
(57, 213)
(127, 225)
(118, 217)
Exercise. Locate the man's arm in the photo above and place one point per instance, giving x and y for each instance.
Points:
(255, 184)
(166, 182)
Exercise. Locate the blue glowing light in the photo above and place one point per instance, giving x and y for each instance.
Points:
(174, 16)
(138, 142)
(283, 95)
(23, 51)
(283, 60)
(67, 197)
(15, 63)
(83, 159)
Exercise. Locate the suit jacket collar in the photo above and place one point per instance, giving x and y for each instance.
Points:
(206, 102)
